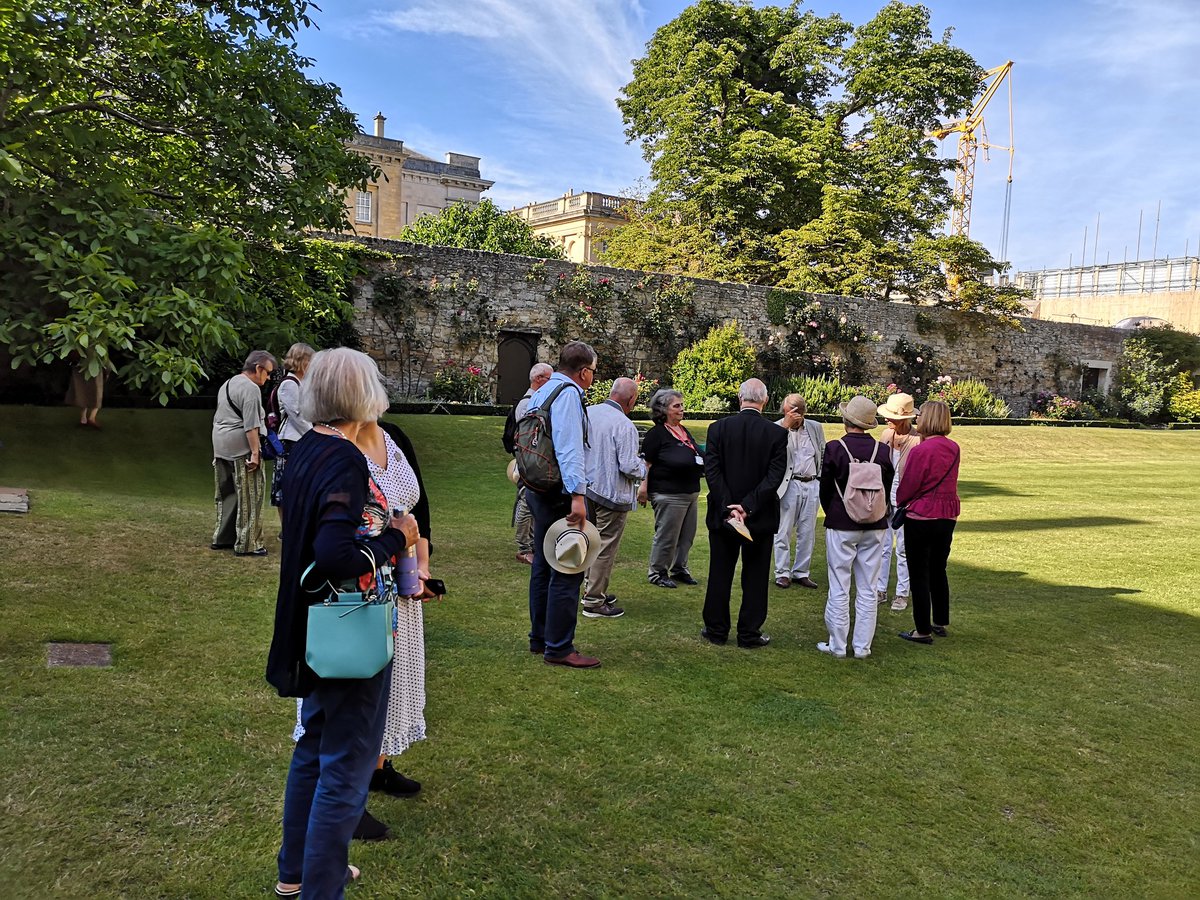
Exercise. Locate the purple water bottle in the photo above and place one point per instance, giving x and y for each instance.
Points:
(407, 582)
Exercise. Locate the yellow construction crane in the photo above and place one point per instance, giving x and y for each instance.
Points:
(969, 130)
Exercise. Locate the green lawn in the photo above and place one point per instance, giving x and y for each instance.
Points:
(1047, 748)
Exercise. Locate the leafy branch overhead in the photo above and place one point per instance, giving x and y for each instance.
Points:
(792, 149)
(146, 151)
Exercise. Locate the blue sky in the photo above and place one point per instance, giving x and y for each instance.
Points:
(1106, 94)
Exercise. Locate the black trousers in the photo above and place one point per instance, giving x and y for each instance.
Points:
(724, 548)
(927, 542)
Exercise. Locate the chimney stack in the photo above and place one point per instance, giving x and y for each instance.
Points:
(380, 118)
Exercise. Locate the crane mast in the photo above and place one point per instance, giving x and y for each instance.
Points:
(969, 129)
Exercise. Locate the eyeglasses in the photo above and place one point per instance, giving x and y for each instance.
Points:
(591, 369)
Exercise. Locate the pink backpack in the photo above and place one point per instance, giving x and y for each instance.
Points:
(864, 497)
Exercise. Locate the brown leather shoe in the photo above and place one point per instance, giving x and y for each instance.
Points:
(807, 582)
(783, 582)
(526, 558)
(575, 660)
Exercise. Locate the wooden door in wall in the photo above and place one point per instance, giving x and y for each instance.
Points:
(515, 357)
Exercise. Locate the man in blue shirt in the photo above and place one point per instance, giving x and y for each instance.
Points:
(554, 595)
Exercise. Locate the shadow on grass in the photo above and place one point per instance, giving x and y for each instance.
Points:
(971, 490)
(1047, 524)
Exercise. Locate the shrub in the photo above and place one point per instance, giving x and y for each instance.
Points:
(969, 397)
(1145, 381)
(714, 366)
(1185, 401)
(1054, 406)
(459, 383)
(599, 391)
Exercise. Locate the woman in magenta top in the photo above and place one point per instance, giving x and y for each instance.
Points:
(929, 488)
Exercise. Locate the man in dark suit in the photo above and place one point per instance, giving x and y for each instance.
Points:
(744, 463)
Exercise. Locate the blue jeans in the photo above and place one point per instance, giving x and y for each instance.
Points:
(553, 596)
(328, 781)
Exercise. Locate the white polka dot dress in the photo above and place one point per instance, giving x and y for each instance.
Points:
(406, 702)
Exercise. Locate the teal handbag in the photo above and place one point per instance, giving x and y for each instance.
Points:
(350, 635)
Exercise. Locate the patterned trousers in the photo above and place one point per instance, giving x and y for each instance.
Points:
(239, 497)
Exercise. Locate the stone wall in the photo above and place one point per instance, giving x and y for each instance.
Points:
(430, 305)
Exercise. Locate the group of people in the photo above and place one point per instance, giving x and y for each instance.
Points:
(765, 481)
(352, 502)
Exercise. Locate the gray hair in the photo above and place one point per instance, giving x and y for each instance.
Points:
(660, 401)
(342, 385)
(752, 391)
(258, 358)
(540, 370)
(794, 401)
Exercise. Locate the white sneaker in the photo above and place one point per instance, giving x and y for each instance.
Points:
(900, 603)
(861, 654)
(825, 648)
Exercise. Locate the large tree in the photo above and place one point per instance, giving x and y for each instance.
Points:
(480, 226)
(147, 150)
(790, 148)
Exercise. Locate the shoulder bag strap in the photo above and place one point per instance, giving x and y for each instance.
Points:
(229, 399)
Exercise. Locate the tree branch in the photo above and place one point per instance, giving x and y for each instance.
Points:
(93, 106)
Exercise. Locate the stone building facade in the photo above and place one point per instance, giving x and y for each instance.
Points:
(411, 184)
(430, 306)
(576, 222)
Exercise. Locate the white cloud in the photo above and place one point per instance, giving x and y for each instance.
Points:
(568, 49)
(1148, 41)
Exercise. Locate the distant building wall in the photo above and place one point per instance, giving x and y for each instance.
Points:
(1167, 289)
(516, 296)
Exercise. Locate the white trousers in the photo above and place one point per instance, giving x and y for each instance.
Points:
(857, 553)
(893, 537)
(797, 513)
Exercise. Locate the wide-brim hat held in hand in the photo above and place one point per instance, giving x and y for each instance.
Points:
(513, 475)
(859, 411)
(571, 550)
(898, 406)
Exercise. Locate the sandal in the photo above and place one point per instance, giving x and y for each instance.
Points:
(281, 890)
(917, 638)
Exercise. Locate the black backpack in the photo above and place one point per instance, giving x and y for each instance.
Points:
(536, 460)
(510, 431)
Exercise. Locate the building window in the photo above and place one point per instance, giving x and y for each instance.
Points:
(362, 207)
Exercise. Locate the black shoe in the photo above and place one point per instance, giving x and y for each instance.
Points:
(220, 546)
(712, 638)
(662, 581)
(370, 828)
(392, 782)
(261, 551)
(751, 643)
(684, 577)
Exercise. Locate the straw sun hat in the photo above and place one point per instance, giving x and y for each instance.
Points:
(859, 411)
(898, 406)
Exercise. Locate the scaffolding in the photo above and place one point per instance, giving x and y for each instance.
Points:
(1142, 277)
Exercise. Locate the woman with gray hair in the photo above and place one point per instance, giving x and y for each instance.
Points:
(674, 464)
(326, 491)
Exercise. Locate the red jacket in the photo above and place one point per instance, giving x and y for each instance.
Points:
(927, 463)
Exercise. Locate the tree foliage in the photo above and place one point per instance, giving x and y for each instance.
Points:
(480, 226)
(147, 152)
(790, 148)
